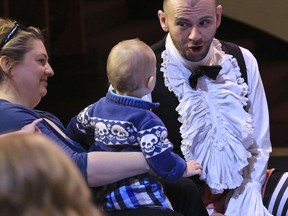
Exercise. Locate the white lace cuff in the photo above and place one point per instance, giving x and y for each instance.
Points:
(246, 200)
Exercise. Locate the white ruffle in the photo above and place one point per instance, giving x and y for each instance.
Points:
(216, 130)
(249, 192)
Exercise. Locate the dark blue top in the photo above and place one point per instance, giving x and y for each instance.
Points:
(13, 117)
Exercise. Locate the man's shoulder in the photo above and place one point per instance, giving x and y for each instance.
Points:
(236, 51)
(159, 46)
(228, 45)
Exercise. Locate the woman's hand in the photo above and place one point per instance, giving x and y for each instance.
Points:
(32, 127)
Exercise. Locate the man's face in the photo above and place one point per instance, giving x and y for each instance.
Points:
(192, 26)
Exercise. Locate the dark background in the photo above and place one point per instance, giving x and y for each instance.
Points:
(80, 33)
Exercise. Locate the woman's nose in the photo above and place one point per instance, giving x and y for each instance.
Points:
(49, 71)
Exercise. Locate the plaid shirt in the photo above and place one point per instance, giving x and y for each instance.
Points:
(139, 191)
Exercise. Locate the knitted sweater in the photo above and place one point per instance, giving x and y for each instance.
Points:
(123, 123)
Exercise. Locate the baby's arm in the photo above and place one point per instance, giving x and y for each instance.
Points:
(156, 147)
(167, 165)
(80, 128)
(193, 168)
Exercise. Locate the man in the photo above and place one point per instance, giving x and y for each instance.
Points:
(221, 121)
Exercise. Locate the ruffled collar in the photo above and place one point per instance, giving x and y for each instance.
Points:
(216, 130)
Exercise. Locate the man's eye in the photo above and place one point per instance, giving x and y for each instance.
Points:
(183, 25)
(204, 22)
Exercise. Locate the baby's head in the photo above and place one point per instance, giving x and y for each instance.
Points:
(131, 68)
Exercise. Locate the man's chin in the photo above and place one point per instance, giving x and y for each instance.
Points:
(195, 58)
(195, 55)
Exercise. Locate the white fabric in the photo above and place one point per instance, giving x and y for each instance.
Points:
(214, 123)
(217, 131)
(246, 200)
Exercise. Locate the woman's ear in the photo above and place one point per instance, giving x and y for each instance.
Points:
(5, 63)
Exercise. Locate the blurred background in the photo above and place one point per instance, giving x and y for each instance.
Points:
(80, 33)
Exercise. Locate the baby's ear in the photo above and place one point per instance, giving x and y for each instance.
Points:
(150, 83)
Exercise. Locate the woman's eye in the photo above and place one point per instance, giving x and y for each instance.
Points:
(42, 61)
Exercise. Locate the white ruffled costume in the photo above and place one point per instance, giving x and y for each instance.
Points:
(232, 145)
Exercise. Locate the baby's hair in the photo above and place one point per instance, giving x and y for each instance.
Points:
(129, 65)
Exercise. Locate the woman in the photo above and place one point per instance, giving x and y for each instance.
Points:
(34, 179)
(24, 73)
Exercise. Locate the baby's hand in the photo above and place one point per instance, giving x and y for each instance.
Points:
(193, 168)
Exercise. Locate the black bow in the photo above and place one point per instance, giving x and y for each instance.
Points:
(210, 71)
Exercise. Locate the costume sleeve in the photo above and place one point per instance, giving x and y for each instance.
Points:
(247, 199)
(14, 117)
(168, 165)
(157, 149)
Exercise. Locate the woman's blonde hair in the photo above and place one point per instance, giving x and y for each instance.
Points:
(39, 179)
(18, 44)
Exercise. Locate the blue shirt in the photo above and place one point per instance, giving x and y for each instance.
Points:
(14, 116)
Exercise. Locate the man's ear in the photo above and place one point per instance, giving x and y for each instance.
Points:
(5, 63)
(163, 20)
(218, 15)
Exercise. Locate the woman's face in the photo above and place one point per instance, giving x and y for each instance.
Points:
(31, 74)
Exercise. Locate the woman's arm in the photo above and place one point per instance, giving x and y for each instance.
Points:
(100, 167)
(108, 167)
